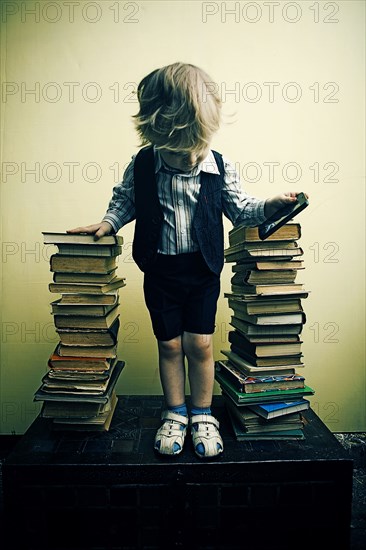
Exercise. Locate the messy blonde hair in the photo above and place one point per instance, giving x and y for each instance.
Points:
(180, 108)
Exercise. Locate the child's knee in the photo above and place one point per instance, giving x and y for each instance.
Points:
(197, 345)
(170, 348)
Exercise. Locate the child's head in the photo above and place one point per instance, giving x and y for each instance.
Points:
(179, 112)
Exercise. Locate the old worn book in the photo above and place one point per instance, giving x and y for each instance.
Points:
(263, 251)
(241, 398)
(59, 277)
(263, 349)
(80, 364)
(109, 298)
(251, 329)
(268, 360)
(269, 318)
(87, 321)
(68, 385)
(104, 352)
(265, 265)
(89, 337)
(79, 238)
(267, 289)
(274, 338)
(59, 308)
(280, 435)
(82, 397)
(256, 276)
(100, 422)
(85, 288)
(81, 250)
(276, 295)
(82, 264)
(252, 423)
(242, 234)
(247, 368)
(76, 376)
(261, 383)
(257, 307)
(75, 410)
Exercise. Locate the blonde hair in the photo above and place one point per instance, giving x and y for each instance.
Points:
(180, 108)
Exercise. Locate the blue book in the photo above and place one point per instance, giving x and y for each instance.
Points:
(273, 410)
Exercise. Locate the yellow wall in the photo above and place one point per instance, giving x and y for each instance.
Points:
(291, 75)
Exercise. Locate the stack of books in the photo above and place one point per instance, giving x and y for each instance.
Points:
(78, 390)
(261, 378)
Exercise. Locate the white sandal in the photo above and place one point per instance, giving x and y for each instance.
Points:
(205, 430)
(173, 430)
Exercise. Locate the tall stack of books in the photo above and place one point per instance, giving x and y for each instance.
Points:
(78, 390)
(260, 377)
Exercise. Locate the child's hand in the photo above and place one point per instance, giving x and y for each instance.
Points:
(279, 201)
(97, 229)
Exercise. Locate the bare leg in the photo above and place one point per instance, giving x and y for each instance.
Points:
(199, 351)
(172, 371)
(201, 372)
(170, 436)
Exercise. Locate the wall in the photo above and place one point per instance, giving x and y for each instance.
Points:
(291, 76)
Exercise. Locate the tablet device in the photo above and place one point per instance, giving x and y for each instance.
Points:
(282, 216)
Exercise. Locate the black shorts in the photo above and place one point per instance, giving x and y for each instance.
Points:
(181, 295)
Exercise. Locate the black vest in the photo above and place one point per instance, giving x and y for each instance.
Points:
(208, 229)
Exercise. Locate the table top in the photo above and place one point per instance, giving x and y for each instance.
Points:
(130, 438)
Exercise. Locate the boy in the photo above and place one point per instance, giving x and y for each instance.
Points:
(177, 189)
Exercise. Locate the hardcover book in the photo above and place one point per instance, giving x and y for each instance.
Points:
(250, 329)
(87, 321)
(82, 264)
(275, 410)
(263, 349)
(90, 309)
(80, 397)
(60, 277)
(250, 422)
(89, 337)
(247, 368)
(109, 298)
(258, 307)
(268, 289)
(243, 234)
(256, 276)
(52, 237)
(81, 250)
(241, 435)
(241, 398)
(269, 361)
(260, 383)
(104, 352)
(267, 265)
(91, 364)
(85, 288)
(100, 422)
(62, 409)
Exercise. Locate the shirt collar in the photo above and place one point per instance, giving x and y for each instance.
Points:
(208, 165)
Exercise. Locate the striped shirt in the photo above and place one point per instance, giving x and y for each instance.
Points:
(178, 195)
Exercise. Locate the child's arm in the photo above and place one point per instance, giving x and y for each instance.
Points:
(243, 209)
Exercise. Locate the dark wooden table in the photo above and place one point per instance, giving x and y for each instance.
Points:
(109, 491)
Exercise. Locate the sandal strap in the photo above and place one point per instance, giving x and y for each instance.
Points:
(206, 418)
(169, 415)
